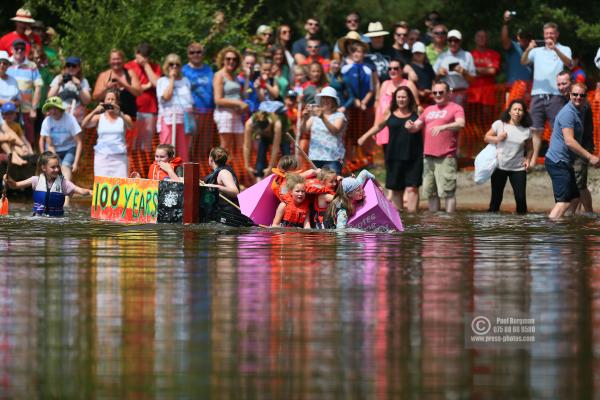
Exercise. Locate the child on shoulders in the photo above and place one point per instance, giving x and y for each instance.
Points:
(49, 188)
(294, 210)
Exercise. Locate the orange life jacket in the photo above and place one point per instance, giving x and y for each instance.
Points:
(278, 184)
(158, 174)
(316, 188)
(294, 215)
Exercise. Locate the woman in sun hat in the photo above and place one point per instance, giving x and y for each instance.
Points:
(327, 128)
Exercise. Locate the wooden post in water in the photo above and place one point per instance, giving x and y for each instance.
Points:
(191, 193)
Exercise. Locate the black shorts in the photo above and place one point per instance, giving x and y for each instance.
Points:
(563, 181)
(401, 174)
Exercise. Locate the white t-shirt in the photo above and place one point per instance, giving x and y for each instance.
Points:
(180, 101)
(511, 151)
(68, 91)
(62, 131)
(9, 89)
(111, 136)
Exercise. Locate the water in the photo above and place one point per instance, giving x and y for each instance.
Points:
(99, 310)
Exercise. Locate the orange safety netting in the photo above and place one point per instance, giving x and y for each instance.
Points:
(143, 139)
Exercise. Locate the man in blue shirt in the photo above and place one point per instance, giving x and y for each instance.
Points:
(548, 61)
(564, 145)
(515, 71)
(200, 76)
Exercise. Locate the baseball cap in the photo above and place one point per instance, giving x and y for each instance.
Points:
(4, 56)
(455, 33)
(9, 107)
(18, 42)
(73, 60)
(418, 47)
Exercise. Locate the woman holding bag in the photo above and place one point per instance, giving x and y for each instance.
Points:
(175, 103)
(512, 138)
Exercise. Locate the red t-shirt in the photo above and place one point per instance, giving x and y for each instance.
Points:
(147, 101)
(481, 89)
(7, 40)
(445, 143)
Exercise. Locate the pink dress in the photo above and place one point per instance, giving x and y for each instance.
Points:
(386, 91)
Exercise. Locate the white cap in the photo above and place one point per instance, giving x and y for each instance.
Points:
(4, 56)
(454, 33)
(327, 91)
(418, 47)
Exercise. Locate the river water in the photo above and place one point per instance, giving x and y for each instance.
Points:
(97, 310)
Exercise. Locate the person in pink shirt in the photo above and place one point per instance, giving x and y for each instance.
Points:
(440, 123)
(23, 21)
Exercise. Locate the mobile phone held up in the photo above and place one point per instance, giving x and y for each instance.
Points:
(452, 66)
(540, 42)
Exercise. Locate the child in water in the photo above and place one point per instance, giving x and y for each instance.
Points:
(348, 195)
(294, 210)
(323, 188)
(166, 166)
(286, 164)
(49, 188)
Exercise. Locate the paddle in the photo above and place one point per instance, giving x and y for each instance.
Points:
(301, 151)
(4, 200)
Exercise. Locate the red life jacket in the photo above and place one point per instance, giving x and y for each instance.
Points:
(294, 215)
(316, 188)
(156, 172)
(278, 184)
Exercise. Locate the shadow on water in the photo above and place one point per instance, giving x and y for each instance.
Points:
(99, 310)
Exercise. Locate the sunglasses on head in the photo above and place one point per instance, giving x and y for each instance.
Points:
(192, 52)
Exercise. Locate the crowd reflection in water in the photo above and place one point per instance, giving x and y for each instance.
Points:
(197, 313)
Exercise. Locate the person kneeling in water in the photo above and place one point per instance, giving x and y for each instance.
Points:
(294, 210)
(166, 167)
(49, 188)
(348, 195)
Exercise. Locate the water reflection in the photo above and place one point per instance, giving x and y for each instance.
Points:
(91, 310)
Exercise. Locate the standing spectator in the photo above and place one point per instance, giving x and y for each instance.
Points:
(201, 78)
(146, 103)
(175, 103)
(456, 67)
(438, 44)
(327, 128)
(482, 90)
(72, 88)
(546, 100)
(110, 151)
(229, 102)
(432, 19)
(441, 124)
(312, 49)
(281, 69)
(312, 28)
(512, 138)
(264, 37)
(404, 153)
(52, 56)
(23, 21)
(336, 81)
(9, 88)
(580, 165)
(317, 80)
(361, 81)
(423, 71)
(399, 49)
(39, 57)
(265, 85)
(117, 77)
(413, 37)
(513, 51)
(377, 59)
(564, 144)
(249, 73)
(283, 38)
(30, 87)
(352, 25)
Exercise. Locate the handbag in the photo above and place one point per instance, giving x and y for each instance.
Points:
(486, 163)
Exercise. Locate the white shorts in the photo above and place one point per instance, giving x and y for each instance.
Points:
(228, 121)
(113, 165)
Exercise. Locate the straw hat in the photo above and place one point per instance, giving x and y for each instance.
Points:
(376, 30)
(23, 15)
(350, 38)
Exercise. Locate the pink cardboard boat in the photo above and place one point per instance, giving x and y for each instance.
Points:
(376, 212)
(258, 202)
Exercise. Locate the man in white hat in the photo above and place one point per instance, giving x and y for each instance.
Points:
(456, 67)
(23, 21)
(376, 59)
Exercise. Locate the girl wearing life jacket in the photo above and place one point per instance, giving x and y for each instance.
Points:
(323, 190)
(348, 195)
(166, 167)
(49, 188)
(286, 164)
(294, 210)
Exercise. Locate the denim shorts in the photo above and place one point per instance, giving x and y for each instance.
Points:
(67, 157)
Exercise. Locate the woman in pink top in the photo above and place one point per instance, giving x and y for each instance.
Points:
(384, 97)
